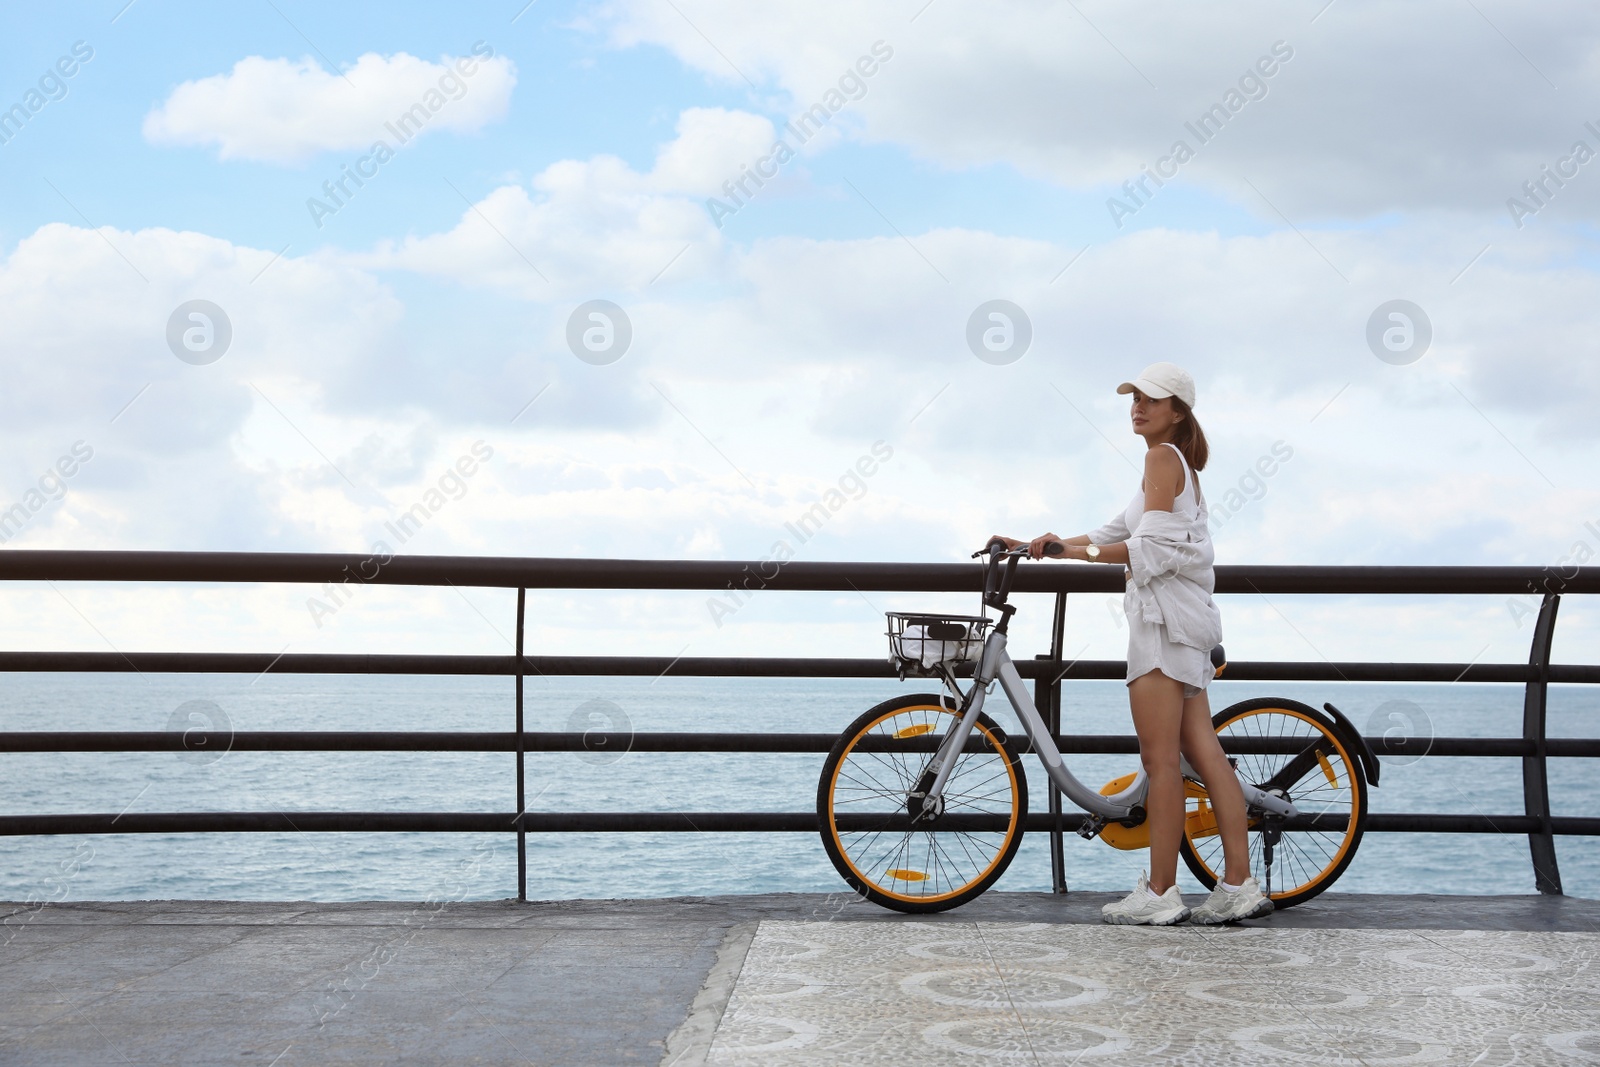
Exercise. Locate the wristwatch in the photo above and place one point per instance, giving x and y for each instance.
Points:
(1092, 551)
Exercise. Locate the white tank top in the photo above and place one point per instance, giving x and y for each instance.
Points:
(1185, 505)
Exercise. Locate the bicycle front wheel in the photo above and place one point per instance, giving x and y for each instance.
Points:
(1285, 745)
(865, 807)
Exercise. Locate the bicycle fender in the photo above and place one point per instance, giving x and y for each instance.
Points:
(1352, 736)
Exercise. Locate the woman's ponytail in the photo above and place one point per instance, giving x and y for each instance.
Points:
(1189, 437)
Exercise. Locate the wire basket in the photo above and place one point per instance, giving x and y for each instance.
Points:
(920, 643)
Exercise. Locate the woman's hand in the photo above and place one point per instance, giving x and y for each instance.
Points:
(1036, 546)
(1009, 542)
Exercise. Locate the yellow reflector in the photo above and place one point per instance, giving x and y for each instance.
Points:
(914, 731)
(902, 875)
(1327, 769)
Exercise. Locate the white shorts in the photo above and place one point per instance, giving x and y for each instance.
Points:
(1150, 649)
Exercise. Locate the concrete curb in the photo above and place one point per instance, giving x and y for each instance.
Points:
(690, 1043)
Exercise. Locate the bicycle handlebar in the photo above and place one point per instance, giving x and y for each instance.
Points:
(997, 587)
(1053, 548)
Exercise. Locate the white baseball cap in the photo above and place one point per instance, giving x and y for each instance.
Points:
(1162, 379)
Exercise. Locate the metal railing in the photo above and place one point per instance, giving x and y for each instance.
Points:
(1049, 673)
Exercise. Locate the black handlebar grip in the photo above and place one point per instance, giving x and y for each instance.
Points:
(1054, 548)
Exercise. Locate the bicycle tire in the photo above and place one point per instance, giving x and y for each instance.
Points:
(1306, 862)
(867, 779)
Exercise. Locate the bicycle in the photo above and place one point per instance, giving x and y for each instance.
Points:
(922, 801)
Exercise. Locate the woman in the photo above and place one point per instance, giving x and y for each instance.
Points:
(1163, 543)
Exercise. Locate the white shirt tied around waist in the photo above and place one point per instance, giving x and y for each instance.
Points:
(1171, 577)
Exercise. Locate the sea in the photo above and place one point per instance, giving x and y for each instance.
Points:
(404, 866)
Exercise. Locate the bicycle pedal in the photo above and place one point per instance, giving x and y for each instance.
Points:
(1091, 826)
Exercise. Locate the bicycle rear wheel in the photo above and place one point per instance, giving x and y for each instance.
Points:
(865, 807)
(1314, 767)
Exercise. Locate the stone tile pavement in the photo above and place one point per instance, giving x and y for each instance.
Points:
(791, 978)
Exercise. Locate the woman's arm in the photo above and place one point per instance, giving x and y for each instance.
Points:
(1114, 552)
(1161, 469)
(1163, 478)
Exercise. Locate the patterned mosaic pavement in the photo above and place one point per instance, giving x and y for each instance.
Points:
(1009, 992)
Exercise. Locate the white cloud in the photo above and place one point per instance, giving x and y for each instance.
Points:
(711, 147)
(87, 358)
(278, 111)
(595, 224)
(799, 350)
(1382, 107)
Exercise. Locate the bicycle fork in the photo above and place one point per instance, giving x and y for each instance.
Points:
(931, 791)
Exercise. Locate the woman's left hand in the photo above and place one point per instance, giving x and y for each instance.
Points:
(1036, 546)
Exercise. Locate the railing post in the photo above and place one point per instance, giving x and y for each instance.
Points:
(522, 835)
(1052, 718)
(1535, 769)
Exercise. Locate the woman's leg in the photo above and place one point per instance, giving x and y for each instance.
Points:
(1204, 753)
(1157, 703)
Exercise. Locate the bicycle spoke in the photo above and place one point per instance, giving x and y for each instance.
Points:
(895, 762)
(869, 786)
(970, 800)
(999, 773)
(867, 846)
(892, 849)
(961, 839)
(936, 867)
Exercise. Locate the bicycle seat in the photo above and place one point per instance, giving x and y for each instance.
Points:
(1219, 660)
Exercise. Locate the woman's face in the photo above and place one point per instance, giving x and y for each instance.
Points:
(1154, 420)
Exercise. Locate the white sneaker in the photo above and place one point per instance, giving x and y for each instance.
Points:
(1246, 902)
(1139, 907)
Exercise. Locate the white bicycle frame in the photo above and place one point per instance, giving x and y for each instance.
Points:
(995, 664)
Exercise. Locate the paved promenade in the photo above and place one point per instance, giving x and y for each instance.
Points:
(797, 979)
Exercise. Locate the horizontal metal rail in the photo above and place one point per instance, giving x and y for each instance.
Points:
(514, 572)
(256, 663)
(623, 741)
(664, 822)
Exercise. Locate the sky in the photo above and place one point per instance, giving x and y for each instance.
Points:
(651, 278)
